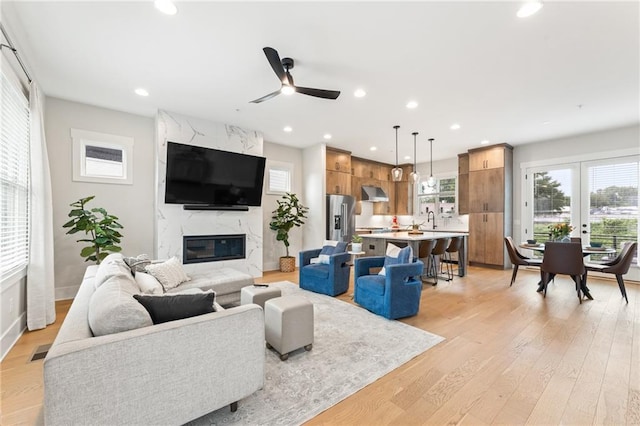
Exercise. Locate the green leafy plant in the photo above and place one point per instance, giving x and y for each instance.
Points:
(356, 239)
(100, 226)
(290, 213)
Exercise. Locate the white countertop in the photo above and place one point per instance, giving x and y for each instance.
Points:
(405, 236)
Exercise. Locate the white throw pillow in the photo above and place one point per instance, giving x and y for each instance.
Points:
(391, 256)
(169, 273)
(324, 258)
(148, 284)
(111, 266)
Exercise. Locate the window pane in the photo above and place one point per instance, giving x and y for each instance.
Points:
(279, 180)
(551, 201)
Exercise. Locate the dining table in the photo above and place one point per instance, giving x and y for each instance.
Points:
(586, 251)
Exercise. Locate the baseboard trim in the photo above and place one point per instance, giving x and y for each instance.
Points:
(66, 293)
(11, 336)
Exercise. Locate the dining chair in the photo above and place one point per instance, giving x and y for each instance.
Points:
(518, 259)
(565, 259)
(576, 240)
(618, 266)
(424, 254)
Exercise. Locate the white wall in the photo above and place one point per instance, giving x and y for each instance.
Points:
(133, 204)
(272, 249)
(314, 193)
(13, 315)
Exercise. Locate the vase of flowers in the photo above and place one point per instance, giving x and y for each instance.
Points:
(560, 231)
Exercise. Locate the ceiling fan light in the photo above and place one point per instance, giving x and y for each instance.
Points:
(529, 8)
(287, 90)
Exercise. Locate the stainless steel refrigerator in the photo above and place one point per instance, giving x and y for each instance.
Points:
(341, 220)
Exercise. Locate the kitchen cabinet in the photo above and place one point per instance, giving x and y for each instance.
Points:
(338, 183)
(385, 207)
(338, 160)
(463, 183)
(490, 204)
(365, 168)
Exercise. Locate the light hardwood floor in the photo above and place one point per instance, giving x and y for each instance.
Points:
(510, 357)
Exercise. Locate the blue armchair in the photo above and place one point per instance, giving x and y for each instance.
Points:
(393, 295)
(331, 278)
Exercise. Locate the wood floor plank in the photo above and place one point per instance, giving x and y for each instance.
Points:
(510, 356)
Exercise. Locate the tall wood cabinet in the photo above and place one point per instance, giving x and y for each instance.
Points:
(338, 171)
(490, 204)
(463, 183)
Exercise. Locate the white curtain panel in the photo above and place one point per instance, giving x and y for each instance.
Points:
(41, 308)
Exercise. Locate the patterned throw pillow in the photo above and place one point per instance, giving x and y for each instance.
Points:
(138, 263)
(169, 273)
(396, 255)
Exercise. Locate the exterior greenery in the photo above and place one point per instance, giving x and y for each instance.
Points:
(289, 213)
(100, 226)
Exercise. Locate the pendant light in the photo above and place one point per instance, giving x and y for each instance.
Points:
(396, 172)
(414, 175)
(431, 182)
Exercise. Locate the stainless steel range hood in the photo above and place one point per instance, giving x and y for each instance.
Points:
(373, 194)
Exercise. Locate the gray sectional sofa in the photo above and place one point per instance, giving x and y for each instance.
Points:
(167, 373)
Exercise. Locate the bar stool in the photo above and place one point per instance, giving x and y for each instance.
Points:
(454, 247)
(439, 250)
(424, 254)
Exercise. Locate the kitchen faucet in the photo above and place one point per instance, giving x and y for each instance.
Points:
(430, 213)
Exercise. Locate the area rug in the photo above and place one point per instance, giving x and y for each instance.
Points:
(352, 348)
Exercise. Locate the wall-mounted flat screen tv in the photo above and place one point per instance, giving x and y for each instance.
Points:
(205, 176)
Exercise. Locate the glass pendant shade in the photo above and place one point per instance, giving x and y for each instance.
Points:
(396, 172)
(414, 176)
(431, 182)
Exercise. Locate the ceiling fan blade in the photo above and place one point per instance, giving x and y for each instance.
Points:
(275, 62)
(266, 97)
(289, 78)
(318, 93)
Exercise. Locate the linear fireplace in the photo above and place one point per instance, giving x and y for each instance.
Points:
(213, 248)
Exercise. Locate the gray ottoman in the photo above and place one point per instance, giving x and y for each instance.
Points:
(258, 295)
(288, 324)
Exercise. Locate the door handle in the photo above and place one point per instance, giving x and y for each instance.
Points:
(584, 231)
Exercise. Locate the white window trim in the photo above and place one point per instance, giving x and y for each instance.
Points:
(278, 165)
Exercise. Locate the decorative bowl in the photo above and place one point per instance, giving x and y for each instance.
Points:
(532, 242)
(595, 245)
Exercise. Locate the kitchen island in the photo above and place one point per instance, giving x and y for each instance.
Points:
(376, 244)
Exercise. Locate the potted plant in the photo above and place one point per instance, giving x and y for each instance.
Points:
(290, 213)
(356, 243)
(100, 226)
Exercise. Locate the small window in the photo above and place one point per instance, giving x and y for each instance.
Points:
(441, 199)
(102, 158)
(279, 177)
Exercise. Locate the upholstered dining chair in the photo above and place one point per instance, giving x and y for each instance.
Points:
(437, 253)
(518, 259)
(325, 270)
(454, 247)
(618, 266)
(566, 259)
(424, 254)
(396, 293)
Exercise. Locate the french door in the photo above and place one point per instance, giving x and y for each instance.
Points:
(598, 198)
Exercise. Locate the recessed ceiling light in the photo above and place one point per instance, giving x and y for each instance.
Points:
(546, 122)
(529, 8)
(327, 136)
(484, 142)
(455, 126)
(407, 157)
(359, 93)
(141, 92)
(166, 6)
(373, 148)
(287, 90)
(288, 129)
(412, 104)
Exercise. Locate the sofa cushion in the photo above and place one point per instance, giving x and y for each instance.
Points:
(112, 308)
(317, 270)
(223, 281)
(169, 273)
(373, 284)
(148, 284)
(171, 307)
(112, 266)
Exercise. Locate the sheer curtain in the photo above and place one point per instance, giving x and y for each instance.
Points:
(41, 309)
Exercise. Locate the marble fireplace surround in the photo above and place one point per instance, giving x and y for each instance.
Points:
(173, 222)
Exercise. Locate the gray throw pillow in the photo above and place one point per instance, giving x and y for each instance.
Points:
(171, 307)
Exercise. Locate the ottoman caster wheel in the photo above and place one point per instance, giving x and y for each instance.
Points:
(284, 357)
(269, 346)
(308, 347)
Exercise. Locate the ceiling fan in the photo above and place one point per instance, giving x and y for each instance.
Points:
(281, 68)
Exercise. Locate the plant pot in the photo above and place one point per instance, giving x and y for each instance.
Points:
(356, 247)
(287, 264)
